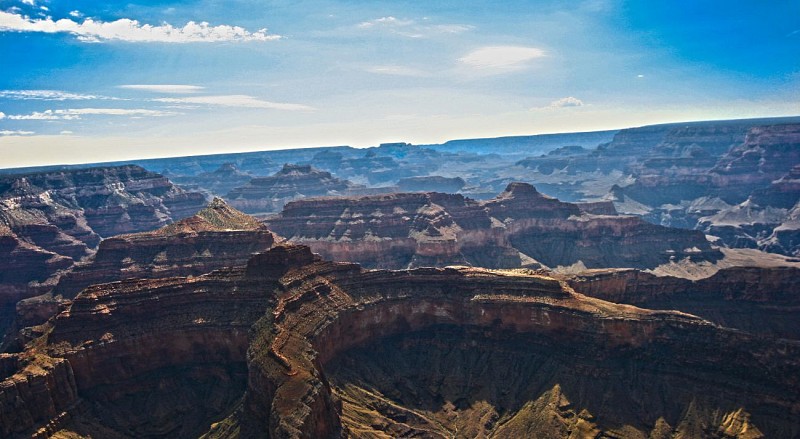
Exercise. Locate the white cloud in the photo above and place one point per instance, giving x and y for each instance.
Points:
(2, 115)
(385, 21)
(502, 58)
(397, 71)
(126, 29)
(243, 101)
(44, 8)
(412, 28)
(76, 113)
(15, 133)
(76, 14)
(28, 2)
(164, 88)
(66, 132)
(47, 95)
(568, 101)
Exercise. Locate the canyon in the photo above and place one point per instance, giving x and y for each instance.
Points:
(518, 227)
(50, 220)
(290, 345)
(636, 283)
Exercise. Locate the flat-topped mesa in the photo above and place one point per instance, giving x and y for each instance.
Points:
(396, 230)
(217, 236)
(518, 227)
(279, 260)
(522, 200)
(269, 194)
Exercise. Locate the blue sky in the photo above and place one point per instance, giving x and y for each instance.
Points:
(90, 81)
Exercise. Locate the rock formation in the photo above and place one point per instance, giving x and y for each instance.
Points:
(518, 227)
(49, 220)
(760, 300)
(218, 182)
(216, 237)
(334, 350)
(432, 183)
(269, 194)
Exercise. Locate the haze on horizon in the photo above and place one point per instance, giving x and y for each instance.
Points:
(91, 81)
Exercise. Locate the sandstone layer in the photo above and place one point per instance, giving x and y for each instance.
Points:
(291, 346)
(761, 300)
(269, 194)
(518, 227)
(49, 220)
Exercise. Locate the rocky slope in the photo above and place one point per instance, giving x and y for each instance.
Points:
(732, 179)
(518, 227)
(336, 350)
(269, 194)
(216, 237)
(50, 220)
(760, 300)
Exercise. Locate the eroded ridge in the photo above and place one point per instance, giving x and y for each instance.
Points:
(292, 346)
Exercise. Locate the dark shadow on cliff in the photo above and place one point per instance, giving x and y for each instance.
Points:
(456, 380)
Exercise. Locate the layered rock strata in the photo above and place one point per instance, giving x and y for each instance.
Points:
(760, 300)
(269, 194)
(518, 227)
(49, 220)
(334, 350)
(217, 236)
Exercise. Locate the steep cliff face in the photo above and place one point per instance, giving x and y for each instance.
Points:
(464, 353)
(49, 220)
(36, 390)
(732, 179)
(217, 236)
(760, 300)
(292, 346)
(269, 194)
(24, 265)
(520, 226)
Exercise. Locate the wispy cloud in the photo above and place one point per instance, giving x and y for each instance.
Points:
(385, 21)
(48, 95)
(568, 101)
(126, 29)
(413, 28)
(243, 101)
(16, 133)
(77, 113)
(164, 88)
(501, 59)
(397, 71)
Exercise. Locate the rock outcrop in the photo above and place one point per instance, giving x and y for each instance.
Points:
(269, 194)
(731, 179)
(760, 300)
(518, 227)
(49, 220)
(334, 350)
(218, 182)
(434, 183)
(217, 236)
